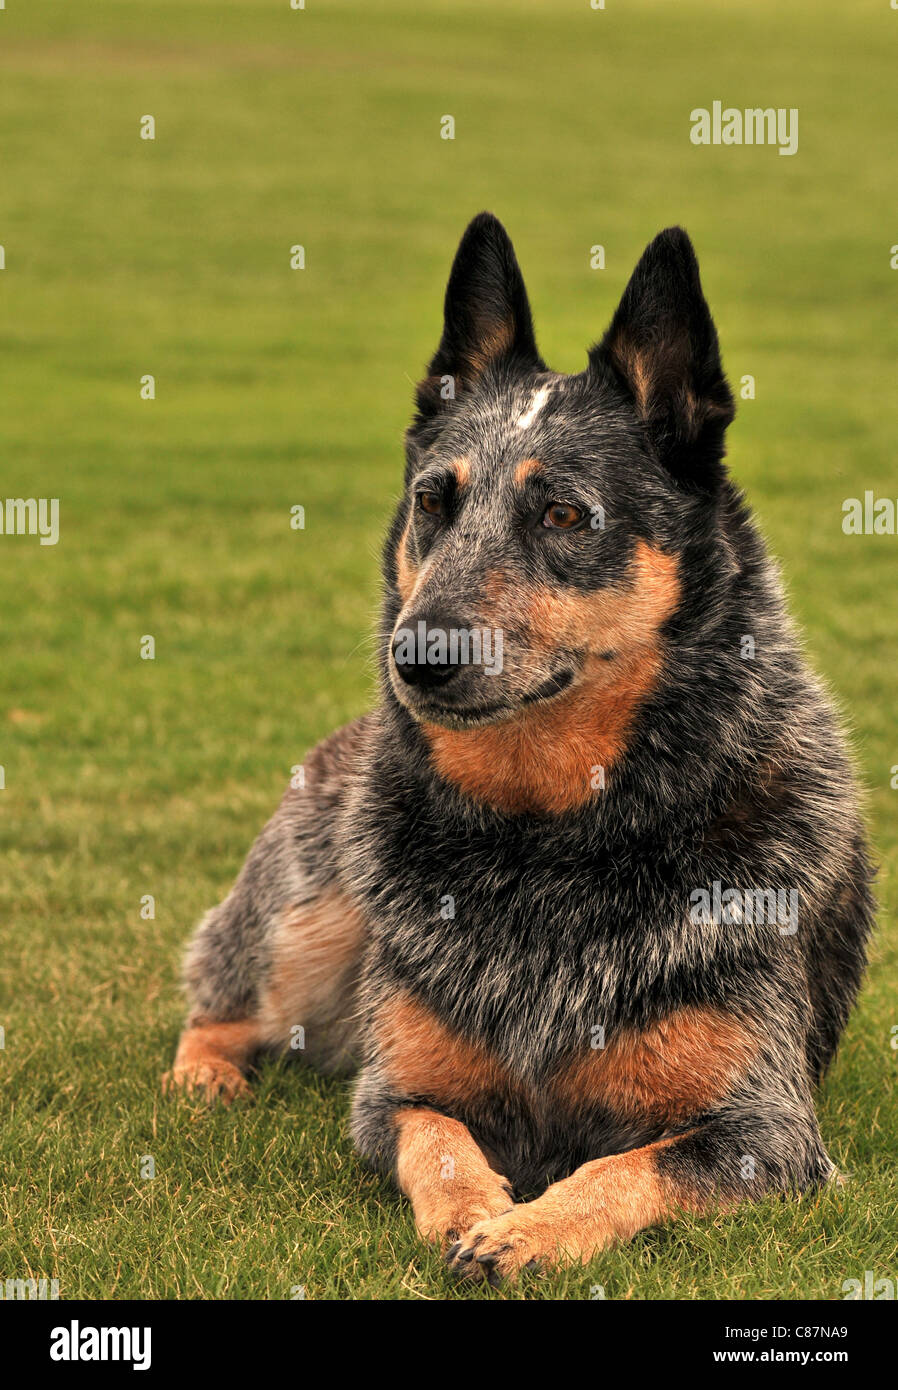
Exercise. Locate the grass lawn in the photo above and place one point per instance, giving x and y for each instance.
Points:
(276, 387)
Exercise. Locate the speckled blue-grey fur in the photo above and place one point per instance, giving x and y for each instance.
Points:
(735, 771)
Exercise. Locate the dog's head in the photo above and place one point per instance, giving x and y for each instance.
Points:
(538, 550)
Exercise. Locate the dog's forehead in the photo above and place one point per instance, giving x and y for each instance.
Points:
(548, 417)
(498, 426)
(503, 423)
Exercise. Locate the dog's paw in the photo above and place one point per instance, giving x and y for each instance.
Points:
(516, 1240)
(217, 1080)
(458, 1207)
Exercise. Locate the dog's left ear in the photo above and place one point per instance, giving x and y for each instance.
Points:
(486, 317)
(662, 348)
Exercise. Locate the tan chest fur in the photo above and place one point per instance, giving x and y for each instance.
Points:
(667, 1073)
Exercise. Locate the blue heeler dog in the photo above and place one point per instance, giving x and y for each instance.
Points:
(483, 897)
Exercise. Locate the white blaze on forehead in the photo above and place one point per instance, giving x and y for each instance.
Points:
(537, 401)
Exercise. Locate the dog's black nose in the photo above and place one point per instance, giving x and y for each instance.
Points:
(427, 651)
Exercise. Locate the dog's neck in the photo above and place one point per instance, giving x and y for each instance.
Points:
(553, 757)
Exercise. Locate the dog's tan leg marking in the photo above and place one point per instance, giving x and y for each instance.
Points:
(446, 1176)
(607, 1200)
(210, 1058)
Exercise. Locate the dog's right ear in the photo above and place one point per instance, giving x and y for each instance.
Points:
(486, 318)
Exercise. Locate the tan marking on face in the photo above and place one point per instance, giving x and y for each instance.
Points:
(461, 467)
(526, 469)
(671, 1072)
(605, 1201)
(211, 1058)
(542, 759)
(446, 1176)
(616, 619)
(422, 1057)
(315, 953)
(407, 569)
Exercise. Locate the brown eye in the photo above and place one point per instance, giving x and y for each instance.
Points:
(561, 515)
(430, 503)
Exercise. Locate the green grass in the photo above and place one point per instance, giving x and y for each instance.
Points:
(275, 387)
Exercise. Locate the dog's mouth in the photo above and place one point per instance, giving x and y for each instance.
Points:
(430, 709)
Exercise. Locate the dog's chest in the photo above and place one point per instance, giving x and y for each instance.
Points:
(634, 1082)
(535, 981)
(529, 944)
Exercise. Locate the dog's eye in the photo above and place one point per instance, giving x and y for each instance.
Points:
(561, 515)
(431, 503)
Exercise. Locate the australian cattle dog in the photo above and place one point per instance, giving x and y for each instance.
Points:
(584, 902)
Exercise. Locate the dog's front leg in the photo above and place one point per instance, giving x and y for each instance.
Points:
(445, 1174)
(609, 1199)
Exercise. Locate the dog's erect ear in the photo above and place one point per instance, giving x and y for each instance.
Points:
(486, 317)
(662, 347)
